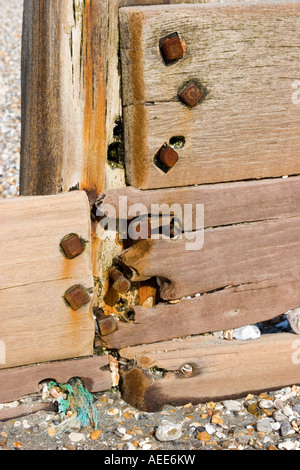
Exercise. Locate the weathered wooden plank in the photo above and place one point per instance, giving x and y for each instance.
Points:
(224, 203)
(220, 369)
(21, 381)
(221, 310)
(63, 134)
(37, 324)
(245, 57)
(258, 252)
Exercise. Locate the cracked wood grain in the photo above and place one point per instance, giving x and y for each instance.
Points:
(37, 325)
(222, 369)
(224, 203)
(246, 57)
(222, 310)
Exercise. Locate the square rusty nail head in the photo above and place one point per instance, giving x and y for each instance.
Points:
(167, 156)
(107, 326)
(171, 48)
(77, 297)
(72, 246)
(191, 95)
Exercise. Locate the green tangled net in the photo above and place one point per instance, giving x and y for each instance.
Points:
(79, 401)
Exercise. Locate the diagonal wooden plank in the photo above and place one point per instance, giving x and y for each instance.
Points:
(37, 324)
(245, 57)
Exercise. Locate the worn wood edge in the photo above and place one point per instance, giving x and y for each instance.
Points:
(253, 253)
(21, 381)
(226, 309)
(155, 178)
(224, 203)
(222, 370)
(25, 410)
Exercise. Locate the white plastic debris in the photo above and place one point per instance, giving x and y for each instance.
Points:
(247, 332)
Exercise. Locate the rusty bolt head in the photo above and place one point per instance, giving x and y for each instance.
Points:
(120, 283)
(171, 48)
(77, 297)
(187, 370)
(167, 157)
(107, 326)
(72, 246)
(191, 95)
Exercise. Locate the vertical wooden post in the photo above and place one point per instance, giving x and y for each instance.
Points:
(63, 96)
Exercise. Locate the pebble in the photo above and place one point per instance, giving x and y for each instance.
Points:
(247, 332)
(279, 416)
(95, 435)
(232, 405)
(168, 431)
(76, 437)
(264, 425)
(287, 445)
(286, 429)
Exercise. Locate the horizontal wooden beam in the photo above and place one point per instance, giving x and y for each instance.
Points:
(20, 381)
(246, 127)
(222, 310)
(224, 203)
(217, 369)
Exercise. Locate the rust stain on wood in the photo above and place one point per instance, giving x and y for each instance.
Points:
(94, 131)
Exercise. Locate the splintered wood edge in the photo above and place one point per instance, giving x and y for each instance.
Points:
(21, 381)
(222, 369)
(222, 310)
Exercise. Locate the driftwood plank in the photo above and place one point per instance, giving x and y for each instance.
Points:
(258, 252)
(224, 203)
(245, 57)
(220, 369)
(37, 324)
(21, 381)
(222, 310)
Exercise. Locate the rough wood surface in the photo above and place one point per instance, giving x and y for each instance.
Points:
(242, 254)
(221, 369)
(22, 381)
(222, 310)
(37, 324)
(63, 134)
(224, 203)
(246, 58)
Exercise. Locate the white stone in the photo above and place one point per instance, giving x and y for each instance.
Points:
(293, 317)
(76, 437)
(247, 332)
(264, 425)
(168, 431)
(129, 446)
(266, 404)
(232, 405)
(209, 428)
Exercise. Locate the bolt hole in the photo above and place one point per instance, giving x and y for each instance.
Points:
(177, 142)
